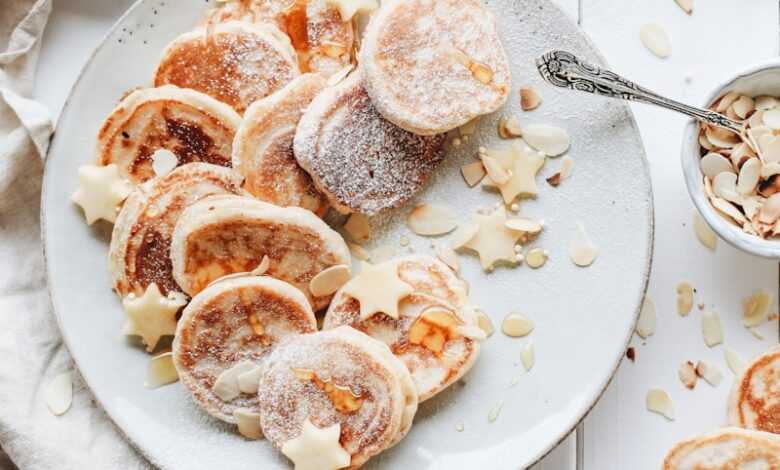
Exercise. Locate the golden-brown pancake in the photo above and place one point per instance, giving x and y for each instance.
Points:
(226, 234)
(323, 41)
(140, 243)
(234, 62)
(436, 335)
(263, 147)
(339, 376)
(754, 402)
(192, 125)
(433, 65)
(726, 449)
(359, 160)
(234, 321)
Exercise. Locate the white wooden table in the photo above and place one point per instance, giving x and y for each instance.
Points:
(721, 36)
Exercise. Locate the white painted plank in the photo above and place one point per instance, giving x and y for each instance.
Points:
(620, 433)
(563, 457)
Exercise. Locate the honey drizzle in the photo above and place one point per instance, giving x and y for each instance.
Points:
(342, 397)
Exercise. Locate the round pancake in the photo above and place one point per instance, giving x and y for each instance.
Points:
(372, 395)
(754, 402)
(192, 125)
(263, 147)
(359, 160)
(433, 65)
(448, 350)
(219, 329)
(234, 62)
(726, 449)
(228, 234)
(140, 243)
(323, 41)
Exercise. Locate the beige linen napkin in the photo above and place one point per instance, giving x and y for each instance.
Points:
(31, 350)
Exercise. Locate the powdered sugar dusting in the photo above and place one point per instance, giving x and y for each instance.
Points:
(361, 161)
(418, 59)
(234, 62)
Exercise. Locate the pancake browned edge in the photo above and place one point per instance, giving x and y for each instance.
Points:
(323, 41)
(234, 62)
(383, 398)
(359, 160)
(192, 125)
(726, 449)
(235, 320)
(140, 243)
(434, 365)
(754, 402)
(431, 66)
(263, 147)
(228, 234)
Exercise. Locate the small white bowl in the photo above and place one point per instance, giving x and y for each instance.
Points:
(760, 79)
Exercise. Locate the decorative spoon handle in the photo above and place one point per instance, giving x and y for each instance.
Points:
(563, 69)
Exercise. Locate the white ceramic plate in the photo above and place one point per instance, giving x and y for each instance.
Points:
(583, 317)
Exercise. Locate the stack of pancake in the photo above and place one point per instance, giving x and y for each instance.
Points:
(274, 117)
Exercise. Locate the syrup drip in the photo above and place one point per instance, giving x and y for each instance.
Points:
(343, 399)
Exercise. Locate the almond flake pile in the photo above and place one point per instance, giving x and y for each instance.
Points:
(742, 177)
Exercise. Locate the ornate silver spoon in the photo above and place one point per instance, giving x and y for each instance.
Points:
(563, 69)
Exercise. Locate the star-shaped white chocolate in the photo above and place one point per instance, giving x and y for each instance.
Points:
(378, 289)
(101, 189)
(317, 448)
(348, 8)
(493, 241)
(152, 315)
(523, 163)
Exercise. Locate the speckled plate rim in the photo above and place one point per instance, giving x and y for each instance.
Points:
(577, 417)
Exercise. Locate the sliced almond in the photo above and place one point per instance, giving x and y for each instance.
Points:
(509, 128)
(685, 5)
(249, 381)
(582, 251)
(658, 401)
(703, 232)
(448, 256)
(656, 40)
(727, 100)
(764, 102)
(740, 154)
(684, 298)
(432, 219)
(756, 119)
(743, 106)
(567, 163)
(772, 118)
(749, 175)
(226, 385)
(550, 140)
(755, 308)
(722, 137)
(516, 325)
(59, 393)
(687, 374)
(497, 173)
(711, 329)
(724, 185)
(472, 173)
(262, 268)
(709, 372)
(713, 164)
(161, 371)
(484, 322)
(645, 326)
(705, 142)
(529, 99)
(248, 423)
(329, 280)
(770, 210)
(528, 355)
(735, 362)
(359, 252)
(358, 228)
(163, 162)
(728, 209)
(770, 169)
(524, 225)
